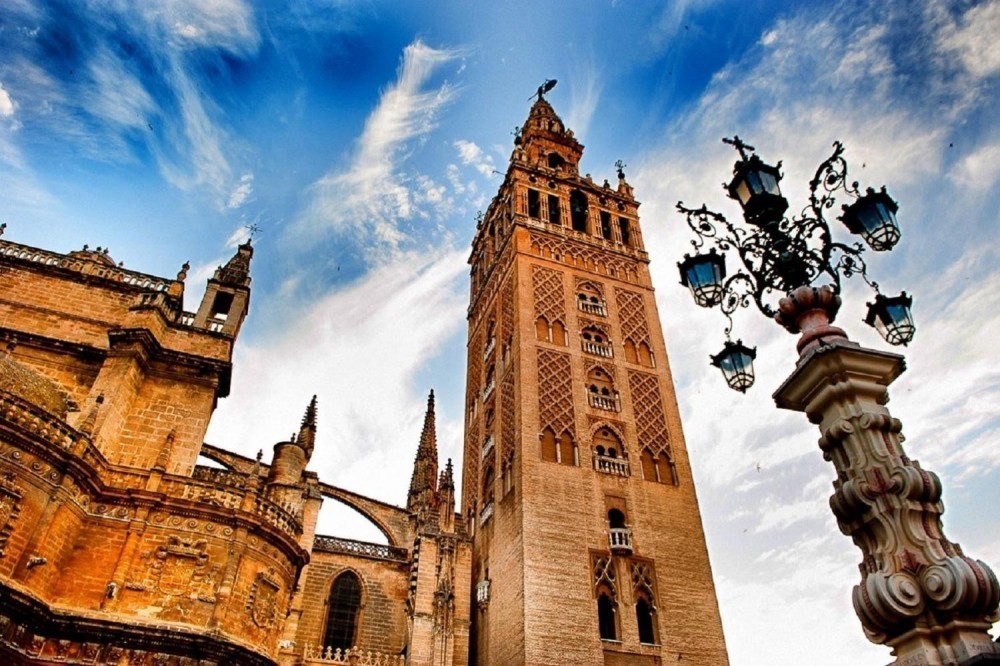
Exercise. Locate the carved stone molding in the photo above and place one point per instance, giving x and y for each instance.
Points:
(919, 593)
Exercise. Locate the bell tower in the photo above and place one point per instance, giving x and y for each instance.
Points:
(588, 545)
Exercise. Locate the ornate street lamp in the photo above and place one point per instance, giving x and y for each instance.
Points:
(736, 362)
(780, 254)
(919, 594)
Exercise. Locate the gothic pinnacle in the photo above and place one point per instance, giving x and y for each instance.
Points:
(425, 464)
(307, 431)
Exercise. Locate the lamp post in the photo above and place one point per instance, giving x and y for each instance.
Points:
(919, 593)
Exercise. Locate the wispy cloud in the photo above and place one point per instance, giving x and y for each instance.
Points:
(373, 195)
(242, 191)
(585, 92)
(6, 103)
(472, 155)
(375, 335)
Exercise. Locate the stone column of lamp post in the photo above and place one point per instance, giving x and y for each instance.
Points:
(919, 593)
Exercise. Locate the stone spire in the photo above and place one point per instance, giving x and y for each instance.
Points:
(424, 480)
(237, 269)
(545, 142)
(307, 431)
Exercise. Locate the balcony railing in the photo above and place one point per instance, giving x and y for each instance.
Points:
(375, 551)
(598, 348)
(609, 465)
(603, 402)
(486, 513)
(483, 592)
(488, 445)
(489, 388)
(215, 325)
(593, 308)
(490, 346)
(620, 539)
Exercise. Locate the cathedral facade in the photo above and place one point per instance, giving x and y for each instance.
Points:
(577, 538)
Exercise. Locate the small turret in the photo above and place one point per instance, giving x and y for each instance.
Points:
(423, 483)
(227, 296)
(291, 457)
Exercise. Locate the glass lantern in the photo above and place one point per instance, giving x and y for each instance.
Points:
(755, 187)
(703, 275)
(873, 216)
(892, 318)
(736, 362)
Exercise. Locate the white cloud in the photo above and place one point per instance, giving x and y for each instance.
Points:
(974, 38)
(359, 348)
(371, 196)
(585, 92)
(116, 94)
(241, 192)
(473, 155)
(979, 169)
(6, 103)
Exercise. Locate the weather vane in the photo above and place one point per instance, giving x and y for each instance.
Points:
(548, 85)
(621, 169)
(254, 230)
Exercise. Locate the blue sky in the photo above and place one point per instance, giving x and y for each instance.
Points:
(361, 138)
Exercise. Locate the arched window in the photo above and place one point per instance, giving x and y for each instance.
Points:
(645, 355)
(589, 300)
(578, 210)
(342, 617)
(626, 232)
(542, 329)
(558, 333)
(606, 224)
(556, 161)
(616, 519)
(567, 449)
(595, 341)
(550, 449)
(630, 354)
(600, 390)
(644, 617)
(658, 467)
(606, 621)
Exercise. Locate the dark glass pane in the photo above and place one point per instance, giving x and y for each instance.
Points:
(644, 616)
(606, 618)
(341, 623)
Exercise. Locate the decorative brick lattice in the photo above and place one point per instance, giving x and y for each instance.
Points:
(507, 310)
(555, 392)
(650, 422)
(591, 284)
(547, 289)
(642, 579)
(604, 573)
(608, 368)
(470, 473)
(632, 316)
(508, 425)
(578, 254)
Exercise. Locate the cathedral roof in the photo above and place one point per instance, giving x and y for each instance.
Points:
(26, 384)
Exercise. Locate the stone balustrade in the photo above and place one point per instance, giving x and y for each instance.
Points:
(353, 656)
(603, 402)
(597, 348)
(488, 445)
(377, 551)
(610, 465)
(46, 258)
(598, 309)
(620, 539)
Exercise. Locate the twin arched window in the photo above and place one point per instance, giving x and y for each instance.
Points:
(342, 615)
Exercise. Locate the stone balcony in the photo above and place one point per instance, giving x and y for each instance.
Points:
(490, 346)
(603, 402)
(597, 348)
(610, 465)
(620, 540)
(598, 309)
(488, 446)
